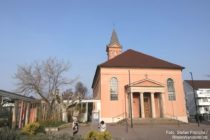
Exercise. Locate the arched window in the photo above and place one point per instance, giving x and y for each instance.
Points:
(171, 89)
(114, 89)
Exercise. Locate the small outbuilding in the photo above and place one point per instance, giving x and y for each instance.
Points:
(17, 110)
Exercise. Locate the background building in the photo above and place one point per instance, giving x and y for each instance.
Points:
(17, 110)
(202, 97)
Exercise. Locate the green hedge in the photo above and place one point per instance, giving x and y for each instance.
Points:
(31, 128)
(9, 134)
(95, 135)
(51, 123)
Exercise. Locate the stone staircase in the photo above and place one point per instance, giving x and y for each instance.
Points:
(149, 121)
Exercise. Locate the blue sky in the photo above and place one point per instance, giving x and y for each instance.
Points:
(78, 31)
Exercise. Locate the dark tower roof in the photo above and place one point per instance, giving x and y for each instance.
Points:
(114, 38)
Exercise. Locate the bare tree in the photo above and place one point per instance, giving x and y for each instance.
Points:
(81, 90)
(69, 97)
(44, 79)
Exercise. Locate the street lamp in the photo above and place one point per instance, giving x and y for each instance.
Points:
(131, 115)
(197, 118)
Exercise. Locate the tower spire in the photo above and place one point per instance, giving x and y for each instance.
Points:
(113, 48)
(114, 39)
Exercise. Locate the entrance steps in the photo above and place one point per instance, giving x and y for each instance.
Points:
(150, 121)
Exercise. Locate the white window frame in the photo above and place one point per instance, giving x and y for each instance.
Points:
(113, 89)
(171, 90)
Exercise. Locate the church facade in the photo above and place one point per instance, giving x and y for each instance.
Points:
(137, 85)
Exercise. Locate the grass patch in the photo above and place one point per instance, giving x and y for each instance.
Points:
(51, 123)
(51, 137)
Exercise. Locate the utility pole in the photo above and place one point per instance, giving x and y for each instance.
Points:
(131, 115)
(196, 109)
(126, 117)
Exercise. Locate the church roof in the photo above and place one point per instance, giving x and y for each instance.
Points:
(199, 83)
(114, 39)
(134, 59)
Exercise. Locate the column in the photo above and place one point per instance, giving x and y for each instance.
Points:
(21, 115)
(142, 105)
(132, 103)
(130, 97)
(86, 111)
(153, 105)
(27, 113)
(14, 114)
(162, 104)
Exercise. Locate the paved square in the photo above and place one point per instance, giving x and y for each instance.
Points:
(151, 131)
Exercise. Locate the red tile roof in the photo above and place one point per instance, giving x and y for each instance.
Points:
(199, 83)
(134, 59)
(131, 58)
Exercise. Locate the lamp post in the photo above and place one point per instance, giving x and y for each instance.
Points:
(131, 115)
(197, 118)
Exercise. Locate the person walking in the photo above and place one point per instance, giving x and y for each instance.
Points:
(75, 127)
(102, 126)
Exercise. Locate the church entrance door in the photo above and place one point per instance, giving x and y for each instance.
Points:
(136, 105)
(147, 106)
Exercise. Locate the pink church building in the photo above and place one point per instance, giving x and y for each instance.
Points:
(132, 83)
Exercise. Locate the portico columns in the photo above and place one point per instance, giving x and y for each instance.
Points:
(162, 104)
(153, 105)
(142, 105)
(132, 103)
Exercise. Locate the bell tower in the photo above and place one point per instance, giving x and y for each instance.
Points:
(113, 48)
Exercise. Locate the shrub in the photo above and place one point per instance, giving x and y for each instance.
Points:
(31, 128)
(8, 134)
(95, 135)
(51, 123)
